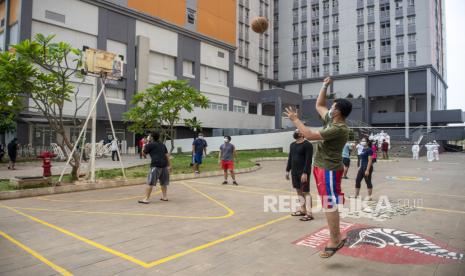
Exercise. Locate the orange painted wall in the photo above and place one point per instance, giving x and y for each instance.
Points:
(217, 19)
(14, 10)
(173, 11)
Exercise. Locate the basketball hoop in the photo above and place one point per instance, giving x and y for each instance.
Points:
(103, 64)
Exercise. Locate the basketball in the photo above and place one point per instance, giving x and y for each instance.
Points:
(259, 24)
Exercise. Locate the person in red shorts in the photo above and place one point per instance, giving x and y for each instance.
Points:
(226, 158)
(328, 166)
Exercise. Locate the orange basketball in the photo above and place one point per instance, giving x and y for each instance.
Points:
(259, 24)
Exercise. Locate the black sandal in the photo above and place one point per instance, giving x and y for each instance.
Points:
(306, 218)
(330, 251)
(298, 214)
(163, 199)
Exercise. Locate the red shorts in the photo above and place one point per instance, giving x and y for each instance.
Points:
(328, 184)
(227, 165)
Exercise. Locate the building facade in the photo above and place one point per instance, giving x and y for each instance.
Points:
(388, 55)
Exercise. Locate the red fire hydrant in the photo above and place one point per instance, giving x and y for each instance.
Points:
(47, 162)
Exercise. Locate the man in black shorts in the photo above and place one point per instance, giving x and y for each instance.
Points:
(299, 164)
(160, 167)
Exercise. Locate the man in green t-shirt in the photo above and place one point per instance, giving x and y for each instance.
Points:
(328, 166)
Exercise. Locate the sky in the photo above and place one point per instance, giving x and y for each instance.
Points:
(455, 47)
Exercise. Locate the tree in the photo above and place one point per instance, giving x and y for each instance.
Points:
(55, 64)
(193, 124)
(14, 84)
(159, 107)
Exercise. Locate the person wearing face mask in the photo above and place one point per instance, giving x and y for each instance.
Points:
(199, 147)
(299, 164)
(365, 170)
(226, 158)
(328, 167)
(346, 159)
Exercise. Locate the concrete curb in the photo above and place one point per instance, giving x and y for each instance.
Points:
(103, 184)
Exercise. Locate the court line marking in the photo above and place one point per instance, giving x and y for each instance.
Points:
(140, 262)
(36, 255)
(441, 210)
(230, 212)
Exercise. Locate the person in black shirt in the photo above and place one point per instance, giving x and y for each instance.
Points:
(365, 170)
(160, 167)
(299, 164)
(199, 147)
(12, 153)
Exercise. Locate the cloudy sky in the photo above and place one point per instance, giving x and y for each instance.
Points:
(455, 43)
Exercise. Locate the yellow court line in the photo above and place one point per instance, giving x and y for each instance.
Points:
(230, 212)
(35, 254)
(137, 261)
(441, 210)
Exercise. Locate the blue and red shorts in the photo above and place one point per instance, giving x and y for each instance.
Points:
(328, 184)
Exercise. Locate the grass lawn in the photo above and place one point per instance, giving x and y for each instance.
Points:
(180, 164)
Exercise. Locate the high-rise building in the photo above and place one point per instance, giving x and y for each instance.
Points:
(387, 55)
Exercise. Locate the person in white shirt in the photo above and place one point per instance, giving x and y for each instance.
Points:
(429, 151)
(415, 151)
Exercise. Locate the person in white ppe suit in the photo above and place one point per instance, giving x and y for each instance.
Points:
(415, 151)
(429, 151)
(436, 150)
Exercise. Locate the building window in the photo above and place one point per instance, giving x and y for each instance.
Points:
(371, 44)
(191, 16)
(316, 23)
(360, 30)
(304, 72)
(335, 19)
(386, 42)
(360, 46)
(326, 52)
(400, 59)
(361, 63)
(411, 20)
(304, 56)
(295, 74)
(326, 69)
(360, 13)
(304, 13)
(188, 69)
(412, 58)
(304, 29)
(371, 27)
(295, 43)
(295, 58)
(411, 3)
(295, 27)
(326, 36)
(335, 3)
(411, 38)
(335, 51)
(371, 11)
(371, 62)
(400, 40)
(386, 60)
(218, 106)
(335, 34)
(399, 4)
(399, 21)
(326, 20)
(336, 67)
(240, 109)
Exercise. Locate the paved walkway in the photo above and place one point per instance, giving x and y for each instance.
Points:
(211, 229)
(35, 168)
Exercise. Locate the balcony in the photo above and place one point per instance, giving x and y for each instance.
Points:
(360, 37)
(315, 61)
(335, 10)
(385, 33)
(325, 12)
(326, 43)
(361, 54)
(410, 10)
(315, 46)
(325, 60)
(295, 5)
(295, 34)
(315, 14)
(295, 49)
(370, 3)
(399, 49)
(412, 47)
(400, 30)
(399, 12)
(437, 116)
(325, 28)
(384, 16)
(385, 66)
(371, 52)
(295, 64)
(371, 36)
(303, 3)
(303, 63)
(335, 26)
(411, 28)
(360, 4)
(295, 19)
(360, 20)
(335, 58)
(336, 41)
(371, 18)
(385, 50)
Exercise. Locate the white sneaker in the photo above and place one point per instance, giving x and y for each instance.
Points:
(368, 198)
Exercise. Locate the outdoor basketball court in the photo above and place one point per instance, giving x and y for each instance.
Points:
(211, 229)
